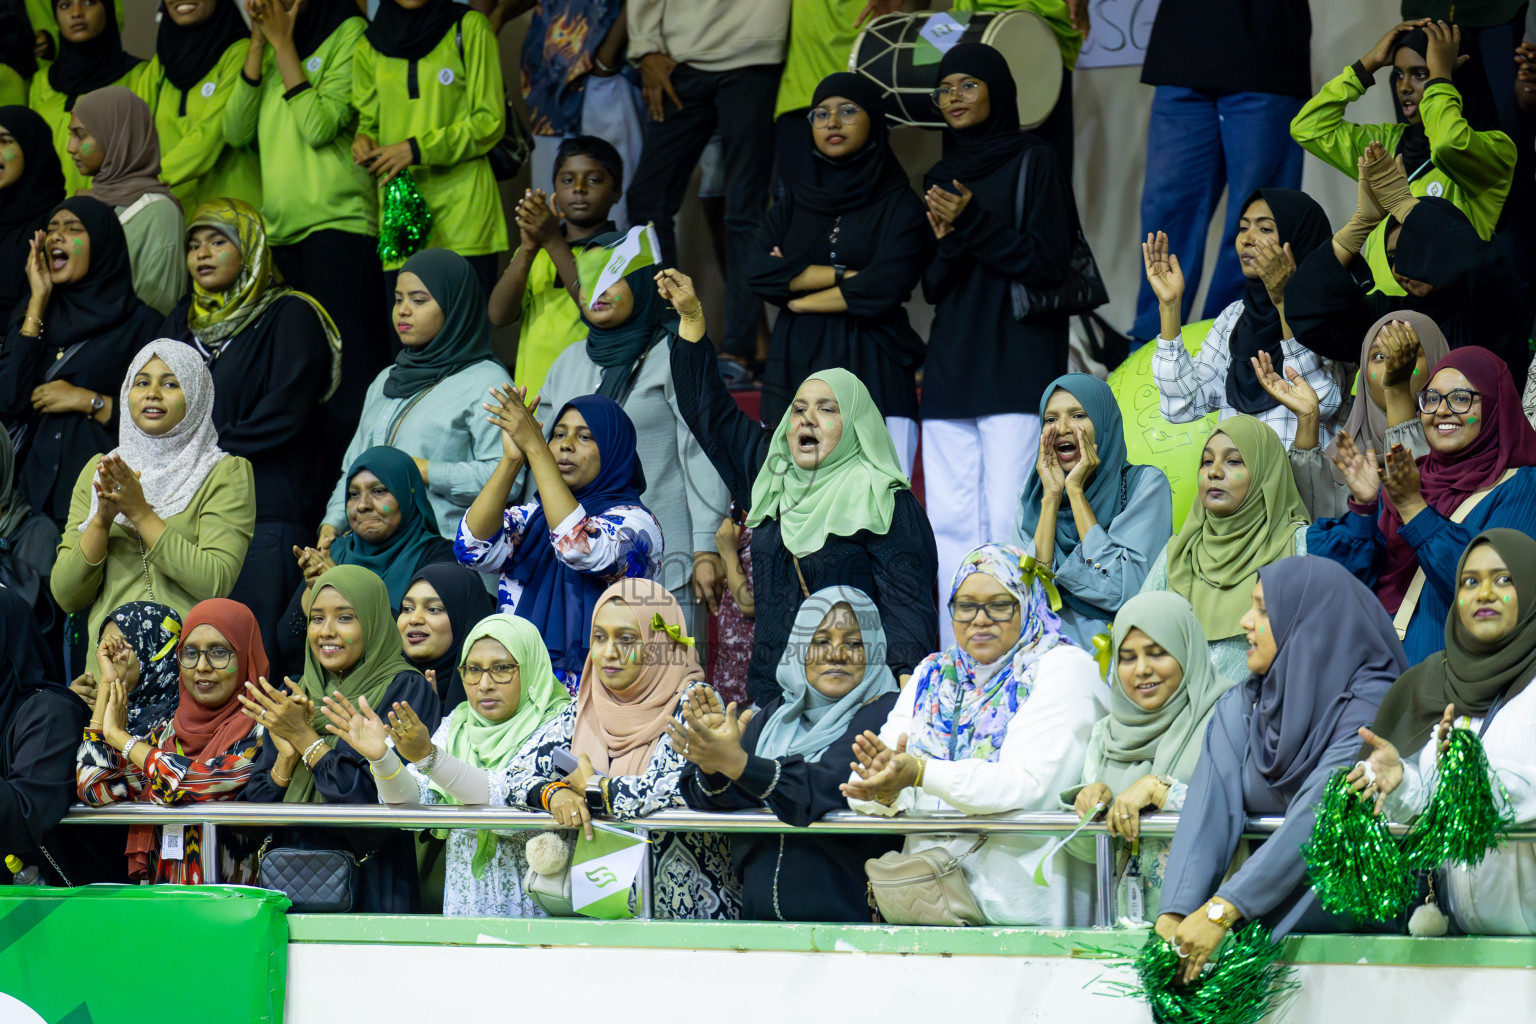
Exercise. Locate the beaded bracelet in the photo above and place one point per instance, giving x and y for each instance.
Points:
(549, 791)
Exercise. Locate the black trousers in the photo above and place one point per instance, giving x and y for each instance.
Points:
(739, 103)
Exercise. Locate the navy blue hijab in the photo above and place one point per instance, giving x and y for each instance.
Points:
(556, 598)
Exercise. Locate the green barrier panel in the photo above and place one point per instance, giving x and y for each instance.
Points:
(120, 954)
(1151, 440)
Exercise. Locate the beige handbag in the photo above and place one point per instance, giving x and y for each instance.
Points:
(1416, 586)
(923, 888)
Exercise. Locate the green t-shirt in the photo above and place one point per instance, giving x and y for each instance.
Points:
(551, 324)
(48, 103)
(13, 88)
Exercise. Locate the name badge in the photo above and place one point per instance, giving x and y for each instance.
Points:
(208, 88)
(171, 842)
(445, 76)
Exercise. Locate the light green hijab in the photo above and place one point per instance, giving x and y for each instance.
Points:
(383, 659)
(1133, 742)
(853, 489)
(1214, 561)
(476, 740)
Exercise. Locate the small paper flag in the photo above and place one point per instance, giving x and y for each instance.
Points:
(603, 871)
(601, 268)
(938, 36)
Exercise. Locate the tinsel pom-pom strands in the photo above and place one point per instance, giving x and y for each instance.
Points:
(1465, 817)
(1355, 865)
(1239, 987)
(404, 220)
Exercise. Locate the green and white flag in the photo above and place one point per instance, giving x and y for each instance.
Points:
(939, 34)
(601, 268)
(603, 871)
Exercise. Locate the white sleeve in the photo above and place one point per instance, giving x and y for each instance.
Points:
(899, 721)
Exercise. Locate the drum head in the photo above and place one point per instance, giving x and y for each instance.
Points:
(1034, 57)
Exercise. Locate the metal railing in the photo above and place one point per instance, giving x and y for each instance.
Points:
(212, 816)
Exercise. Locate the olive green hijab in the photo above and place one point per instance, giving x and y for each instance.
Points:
(853, 489)
(383, 659)
(1214, 561)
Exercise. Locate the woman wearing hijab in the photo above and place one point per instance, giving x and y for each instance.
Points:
(1475, 477)
(1118, 516)
(426, 82)
(137, 649)
(438, 610)
(1271, 745)
(40, 727)
(199, 50)
(273, 354)
(829, 506)
(512, 694)
(18, 55)
(392, 533)
(629, 334)
(1445, 132)
(788, 758)
(428, 403)
(90, 57)
(1480, 682)
(1142, 755)
(167, 514)
(203, 753)
(983, 368)
(112, 142)
(292, 102)
(1277, 230)
(63, 384)
(1395, 359)
(31, 184)
(587, 529)
(353, 650)
(840, 255)
(995, 723)
(642, 671)
(1247, 514)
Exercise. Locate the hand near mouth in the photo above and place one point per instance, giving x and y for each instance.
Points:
(39, 274)
(1087, 463)
(1052, 477)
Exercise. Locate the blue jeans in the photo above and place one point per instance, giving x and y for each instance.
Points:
(1199, 143)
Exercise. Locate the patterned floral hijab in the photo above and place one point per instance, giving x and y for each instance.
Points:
(963, 710)
(153, 631)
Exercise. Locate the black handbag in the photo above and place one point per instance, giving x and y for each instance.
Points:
(512, 150)
(316, 881)
(1082, 291)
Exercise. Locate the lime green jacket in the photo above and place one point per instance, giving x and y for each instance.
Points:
(450, 107)
(49, 105)
(1473, 170)
(13, 88)
(195, 160)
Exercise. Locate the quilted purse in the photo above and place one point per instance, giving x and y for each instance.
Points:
(927, 887)
(317, 881)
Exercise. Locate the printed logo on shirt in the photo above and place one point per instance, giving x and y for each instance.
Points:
(313, 64)
(207, 90)
(1436, 189)
(445, 76)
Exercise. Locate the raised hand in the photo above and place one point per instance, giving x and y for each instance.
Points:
(1380, 55)
(1367, 207)
(1402, 479)
(38, 277)
(536, 217)
(1275, 265)
(1358, 469)
(1444, 49)
(511, 411)
(361, 726)
(1052, 479)
(946, 205)
(1087, 461)
(1292, 391)
(1400, 349)
(676, 289)
(411, 737)
(1162, 268)
(1380, 773)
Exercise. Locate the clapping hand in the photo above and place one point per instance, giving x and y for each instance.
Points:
(511, 411)
(118, 482)
(114, 714)
(1292, 391)
(536, 217)
(361, 726)
(1358, 469)
(1367, 207)
(411, 737)
(312, 562)
(882, 772)
(945, 206)
(710, 735)
(1402, 479)
(1400, 349)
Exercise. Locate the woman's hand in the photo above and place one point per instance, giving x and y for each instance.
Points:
(941, 227)
(569, 809)
(363, 148)
(1358, 469)
(274, 20)
(710, 735)
(327, 537)
(1052, 479)
(1444, 48)
(1400, 349)
(1167, 924)
(676, 289)
(536, 218)
(361, 726)
(1092, 799)
(1443, 730)
(411, 737)
(114, 715)
(708, 579)
(114, 658)
(1292, 391)
(1367, 207)
(61, 396)
(1195, 939)
(882, 773)
(1163, 272)
(284, 714)
(728, 537)
(1380, 55)
(122, 482)
(946, 205)
(520, 432)
(1087, 463)
(85, 688)
(1124, 818)
(1275, 266)
(1379, 774)
(38, 278)
(312, 562)
(1402, 481)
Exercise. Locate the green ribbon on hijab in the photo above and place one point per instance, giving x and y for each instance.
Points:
(383, 659)
(853, 489)
(1132, 741)
(478, 741)
(1214, 561)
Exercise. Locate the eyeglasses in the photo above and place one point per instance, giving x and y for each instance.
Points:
(1459, 400)
(218, 657)
(498, 673)
(846, 112)
(1000, 610)
(965, 92)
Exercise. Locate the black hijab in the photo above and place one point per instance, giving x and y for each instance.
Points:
(1477, 104)
(411, 35)
(317, 20)
(21, 656)
(616, 349)
(104, 297)
(1336, 657)
(1438, 245)
(95, 64)
(1302, 224)
(466, 601)
(831, 187)
(188, 54)
(24, 205)
(977, 151)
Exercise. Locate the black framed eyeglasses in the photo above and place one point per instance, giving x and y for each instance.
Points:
(1460, 400)
(498, 673)
(1000, 610)
(845, 113)
(218, 657)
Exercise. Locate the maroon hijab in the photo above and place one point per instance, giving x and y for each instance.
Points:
(1505, 442)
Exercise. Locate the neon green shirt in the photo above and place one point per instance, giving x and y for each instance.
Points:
(49, 105)
(13, 88)
(551, 323)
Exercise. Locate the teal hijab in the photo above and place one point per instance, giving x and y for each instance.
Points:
(396, 558)
(808, 722)
(465, 337)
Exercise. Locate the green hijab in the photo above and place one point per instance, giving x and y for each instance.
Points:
(1214, 561)
(477, 741)
(465, 337)
(1133, 742)
(853, 489)
(383, 659)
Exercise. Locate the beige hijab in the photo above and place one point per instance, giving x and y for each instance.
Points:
(619, 731)
(124, 128)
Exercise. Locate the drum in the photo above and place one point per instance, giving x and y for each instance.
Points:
(887, 50)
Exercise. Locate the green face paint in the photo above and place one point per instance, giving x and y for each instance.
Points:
(79, 244)
(385, 510)
(9, 153)
(1417, 371)
(1506, 599)
(1462, 601)
(348, 640)
(1471, 420)
(85, 147)
(1373, 376)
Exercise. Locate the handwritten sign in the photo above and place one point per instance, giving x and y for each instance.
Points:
(1119, 33)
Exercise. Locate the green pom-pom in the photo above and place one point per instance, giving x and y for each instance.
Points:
(1239, 987)
(1355, 865)
(404, 220)
(1465, 818)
